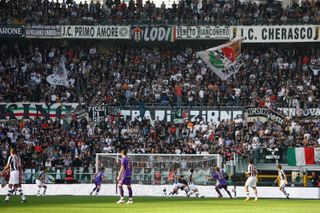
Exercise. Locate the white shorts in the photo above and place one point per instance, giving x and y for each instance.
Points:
(251, 181)
(192, 187)
(14, 177)
(282, 184)
(40, 183)
(177, 185)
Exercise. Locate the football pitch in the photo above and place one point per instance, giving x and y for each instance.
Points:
(86, 204)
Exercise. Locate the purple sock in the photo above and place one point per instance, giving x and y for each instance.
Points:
(98, 190)
(130, 192)
(121, 191)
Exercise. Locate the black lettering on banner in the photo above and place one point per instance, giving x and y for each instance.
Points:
(271, 34)
(68, 32)
(284, 34)
(302, 33)
(267, 113)
(296, 33)
(316, 33)
(42, 111)
(26, 111)
(309, 33)
(10, 111)
(3, 111)
(250, 33)
(277, 34)
(290, 34)
(264, 34)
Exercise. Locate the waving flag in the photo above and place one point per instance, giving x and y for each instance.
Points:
(301, 156)
(224, 60)
(60, 77)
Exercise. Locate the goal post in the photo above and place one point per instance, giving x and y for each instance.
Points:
(150, 169)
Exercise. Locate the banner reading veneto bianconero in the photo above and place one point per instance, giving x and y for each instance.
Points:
(276, 34)
(202, 32)
(95, 32)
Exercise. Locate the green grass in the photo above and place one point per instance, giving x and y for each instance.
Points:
(84, 204)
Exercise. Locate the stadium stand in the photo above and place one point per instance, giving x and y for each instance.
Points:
(183, 12)
(275, 76)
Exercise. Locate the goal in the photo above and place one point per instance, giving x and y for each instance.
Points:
(150, 169)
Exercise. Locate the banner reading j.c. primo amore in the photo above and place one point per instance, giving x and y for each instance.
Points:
(96, 32)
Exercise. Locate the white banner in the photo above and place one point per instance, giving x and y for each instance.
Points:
(317, 155)
(157, 190)
(202, 32)
(31, 110)
(96, 32)
(292, 112)
(276, 34)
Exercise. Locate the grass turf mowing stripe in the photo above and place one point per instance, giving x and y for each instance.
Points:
(84, 204)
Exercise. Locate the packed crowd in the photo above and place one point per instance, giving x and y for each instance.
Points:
(273, 76)
(218, 12)
(53, 144)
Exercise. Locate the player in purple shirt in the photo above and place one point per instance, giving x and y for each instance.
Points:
(124, 177)
(98, 180)
(222, 182)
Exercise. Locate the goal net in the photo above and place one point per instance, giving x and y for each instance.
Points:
(152, 169)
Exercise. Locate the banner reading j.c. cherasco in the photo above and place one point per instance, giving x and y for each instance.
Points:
(96, 32)
(224, 60)
(28, 110)
(276, 34)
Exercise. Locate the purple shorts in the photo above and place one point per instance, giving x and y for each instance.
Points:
(222, 186)
(125, 181)
(98, 183)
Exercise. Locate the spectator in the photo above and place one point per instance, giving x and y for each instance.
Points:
(315, 179)
(69, 176)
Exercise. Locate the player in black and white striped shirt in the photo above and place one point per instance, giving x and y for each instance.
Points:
(40, 181)
(251, 181)
(192, 187)
(14, 166)
(283, 180)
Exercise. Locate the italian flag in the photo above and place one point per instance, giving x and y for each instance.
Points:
(173, 33)
(300, 156)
